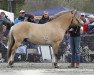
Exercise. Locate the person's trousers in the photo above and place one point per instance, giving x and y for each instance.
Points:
(75, 48)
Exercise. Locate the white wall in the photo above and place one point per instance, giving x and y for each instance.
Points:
(9, 14)
(45, 52)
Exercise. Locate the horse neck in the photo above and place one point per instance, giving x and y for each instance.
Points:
(62, 21)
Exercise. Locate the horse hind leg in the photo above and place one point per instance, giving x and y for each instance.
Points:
(9, 50)
(11, 42)
(11, 59)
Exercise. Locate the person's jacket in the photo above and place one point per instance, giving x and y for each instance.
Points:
(44, 20)
(5, 21)
(74, 31)
(19, 19)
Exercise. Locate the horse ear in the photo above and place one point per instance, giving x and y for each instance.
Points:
(74, 11)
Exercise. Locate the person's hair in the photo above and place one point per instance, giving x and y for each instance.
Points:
(44, 17)
(3, 13)
(30, 17)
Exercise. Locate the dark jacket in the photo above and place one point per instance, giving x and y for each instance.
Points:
(44, 20)
(31, 20)
(74, 31)
(5, 21)
(19, 19)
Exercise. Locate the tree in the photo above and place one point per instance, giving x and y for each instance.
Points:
(16, 5)
(81, 5)
(3, 4)
(32, 5)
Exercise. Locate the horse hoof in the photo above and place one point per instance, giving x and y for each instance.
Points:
(55, 65)
(10, 63)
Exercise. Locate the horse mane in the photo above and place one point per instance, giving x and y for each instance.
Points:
(60, 13)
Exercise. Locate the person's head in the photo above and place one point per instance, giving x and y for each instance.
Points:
(90, 18)
(30, 18)
(2, 14)
(82, 17)
(22, 13)
(45, 14)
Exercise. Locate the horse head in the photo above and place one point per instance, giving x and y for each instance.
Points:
(75, 18)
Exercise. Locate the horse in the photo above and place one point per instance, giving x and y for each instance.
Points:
(49, 33)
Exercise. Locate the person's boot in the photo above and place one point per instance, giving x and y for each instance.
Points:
(72, 65)
(77, 65)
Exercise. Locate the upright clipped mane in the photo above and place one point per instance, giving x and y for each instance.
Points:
(59, 14)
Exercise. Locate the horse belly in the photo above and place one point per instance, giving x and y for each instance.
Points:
(40, 39)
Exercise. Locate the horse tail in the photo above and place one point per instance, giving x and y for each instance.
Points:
(11, 42)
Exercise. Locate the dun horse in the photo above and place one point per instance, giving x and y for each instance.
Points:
(49, 33)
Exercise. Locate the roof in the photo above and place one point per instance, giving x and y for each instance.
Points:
(52, 11)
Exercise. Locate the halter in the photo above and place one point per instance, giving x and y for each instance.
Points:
(75, 18)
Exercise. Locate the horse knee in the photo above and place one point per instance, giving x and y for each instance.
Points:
(58, 55)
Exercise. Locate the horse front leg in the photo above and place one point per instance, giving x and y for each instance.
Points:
(55, 54)
(54, 60)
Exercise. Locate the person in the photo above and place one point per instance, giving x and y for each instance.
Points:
(5, 23)
(21, 17)
(83, 17)
(4, 20)
(64, 44)
(31, 19)
(74, 32)
(45, 18)
(90, 24)
(85, 24)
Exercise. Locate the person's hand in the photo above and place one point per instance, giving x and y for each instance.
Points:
(71, 29)
(4, 28)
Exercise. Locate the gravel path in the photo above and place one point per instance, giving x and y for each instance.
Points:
(27, 68)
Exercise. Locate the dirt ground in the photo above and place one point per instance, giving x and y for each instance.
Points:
(27, 68)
